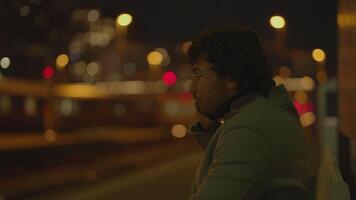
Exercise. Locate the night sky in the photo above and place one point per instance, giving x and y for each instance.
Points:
(310, 24)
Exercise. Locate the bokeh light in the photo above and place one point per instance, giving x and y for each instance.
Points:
(124, 19)
(171, 108)
(87, 78)
(5, 104)
(277, 22)
(318, 55)
(322, 76)
(129, 68)
(301, 97)
(93, 15)
(279, 80)
(154, 58)
(50, 135)
(24, 11)
(93, 68)
(166, 58)
(5, 62)
(307, 83)
(285, 72)
(179, 131)
(62, 60)
(307, 119)
(169, 78)
(48, 72)
(79, 68)
(30, 106)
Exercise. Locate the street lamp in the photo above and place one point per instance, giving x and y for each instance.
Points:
(277, 22)
(124, 19)
(318, 55)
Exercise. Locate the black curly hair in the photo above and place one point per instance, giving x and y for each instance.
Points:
(237, 54)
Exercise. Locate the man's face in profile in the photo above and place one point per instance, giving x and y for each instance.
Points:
(209, 90)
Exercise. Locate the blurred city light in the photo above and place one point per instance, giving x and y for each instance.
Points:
(279, 80)
(277, 22)
(307, 119)
(171, 108)
(30, 106)
(87, 78)
(76, 47)
(24, 11)
(93, 68)
(169, 78)
(79, 68)
(48, 72)
(129, 68)
(62, 60)
(301, 97)
(285, 72)
(154, 58)
(307, 83)
(303, 108)
(5, 62)
(66, 107)
(50, 135)
(166, 58)
(133, 87)
(5, 104)
(93, 15)
(321, 76)
(179, 131)
(124, 19)
(318, 55)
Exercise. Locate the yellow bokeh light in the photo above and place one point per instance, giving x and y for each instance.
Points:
(179, 131)
(277, 22)
(124, 19)
(318, 55)
(62, 60)
(5, 62)
(285, 72)
(279, 80)
(307, 119)
(307, 83)
(154, 58)
(301, 97)
(50, 135)
(322, 76)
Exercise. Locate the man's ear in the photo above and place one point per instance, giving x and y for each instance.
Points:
(232, 85)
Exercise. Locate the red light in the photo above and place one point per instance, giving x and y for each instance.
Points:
(169, 78)
(48, 72)
(303, 108)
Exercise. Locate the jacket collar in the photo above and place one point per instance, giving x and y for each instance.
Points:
(278, 96)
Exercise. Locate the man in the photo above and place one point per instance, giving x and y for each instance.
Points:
(248, 127)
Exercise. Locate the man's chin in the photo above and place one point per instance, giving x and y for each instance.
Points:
(214, 113)
(209, 114)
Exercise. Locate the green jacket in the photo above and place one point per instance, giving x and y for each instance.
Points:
(258, 150)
